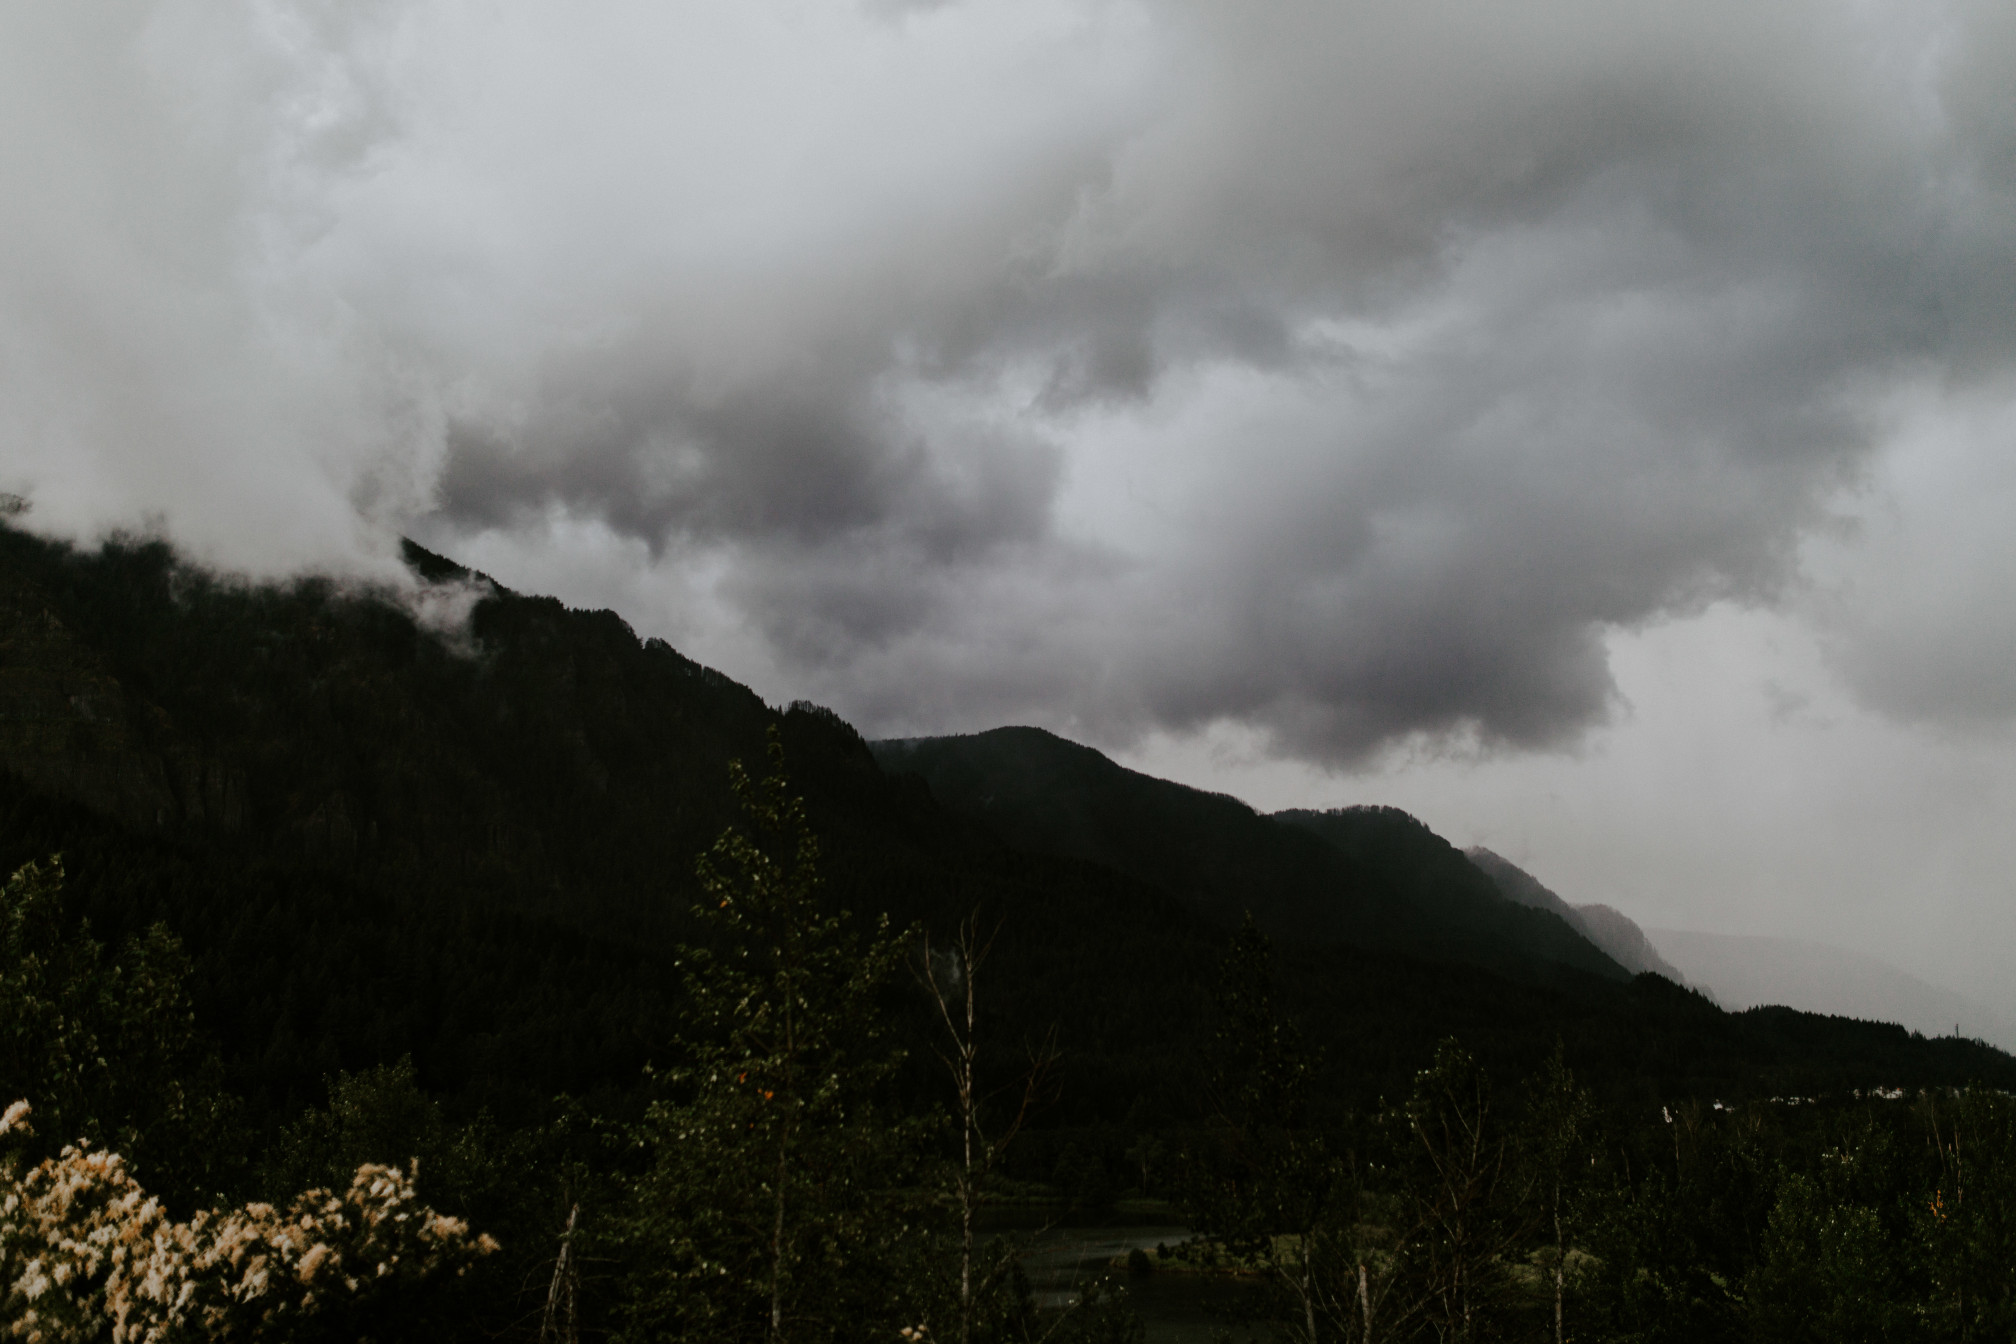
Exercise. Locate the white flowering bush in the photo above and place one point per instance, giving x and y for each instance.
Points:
(85, 1253)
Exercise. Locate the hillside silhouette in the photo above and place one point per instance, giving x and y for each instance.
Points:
(1372, 878)
(473, 844)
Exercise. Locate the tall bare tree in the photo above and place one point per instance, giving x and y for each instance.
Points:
(951, 976)
(1466, 1210)
(1559, 1131)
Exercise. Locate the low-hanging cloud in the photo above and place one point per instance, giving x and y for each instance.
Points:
(1348, 373)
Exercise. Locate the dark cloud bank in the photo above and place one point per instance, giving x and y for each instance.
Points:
(1347, 372)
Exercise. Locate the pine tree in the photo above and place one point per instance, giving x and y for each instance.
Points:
(771, 1208)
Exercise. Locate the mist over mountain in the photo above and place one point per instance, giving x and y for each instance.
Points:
(1747, 971)
(1618, 935)
(1317, 388)
(474, 479)
(1743, 972)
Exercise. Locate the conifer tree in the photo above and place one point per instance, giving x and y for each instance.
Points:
(770, 1209)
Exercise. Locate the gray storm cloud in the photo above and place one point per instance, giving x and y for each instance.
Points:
(1348, 373)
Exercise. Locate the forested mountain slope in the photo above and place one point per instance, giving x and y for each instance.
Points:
(477, 846)
(1370, 877)
(1611, 930)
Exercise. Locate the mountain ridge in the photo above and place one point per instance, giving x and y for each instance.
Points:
(477, 850)
(1374, 878)
(1610, 929)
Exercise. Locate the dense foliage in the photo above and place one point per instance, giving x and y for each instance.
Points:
(1466, 1213)
(87, 1254)
(784, 1187)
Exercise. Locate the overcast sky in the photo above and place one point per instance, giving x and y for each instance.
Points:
(1587, 425)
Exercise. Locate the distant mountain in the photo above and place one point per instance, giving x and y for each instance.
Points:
(1371, 877)
(1619, 935)
(1745, 972)
(1609, 929)
(477, 849)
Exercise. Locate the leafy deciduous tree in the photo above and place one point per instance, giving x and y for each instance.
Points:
(108, 1049)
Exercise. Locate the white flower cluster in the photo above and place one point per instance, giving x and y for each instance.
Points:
(84, 1249)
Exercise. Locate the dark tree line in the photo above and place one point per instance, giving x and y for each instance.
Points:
(794, 1169)
(1468, 1212)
